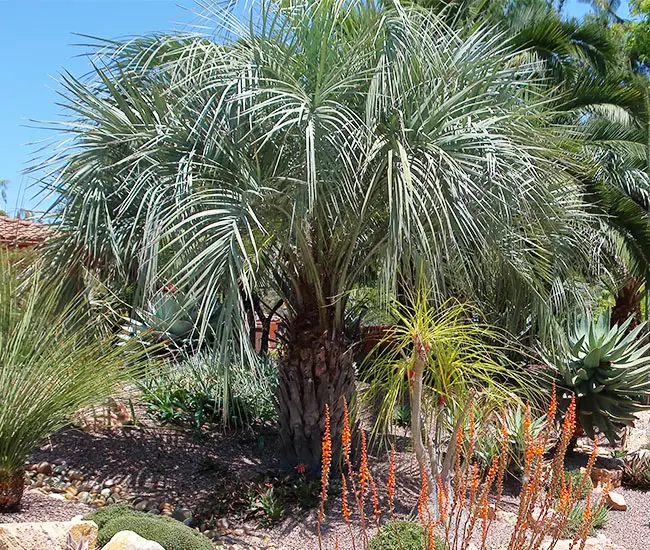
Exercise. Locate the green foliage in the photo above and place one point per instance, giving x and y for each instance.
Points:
(636, 469)
(575, 519)
(271, 499)
(199, 391)
(402, 416)
(444, 155)
(462, 356)
(265, 505)
(578, 482)
(168, 532)
(402, 535)
(55, 358)
(609, 371)
(488, 443)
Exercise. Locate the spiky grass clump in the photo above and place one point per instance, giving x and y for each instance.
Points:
(55, 358)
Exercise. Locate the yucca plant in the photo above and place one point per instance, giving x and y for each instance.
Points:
(609, 371)
(55, 358)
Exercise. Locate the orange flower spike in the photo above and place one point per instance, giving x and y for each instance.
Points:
(336, 543)
(423, 500)
(364, 470)
(552, 407)
(527, 421)
(569, 424)
(391, 484)
(431, 539)
(442, 501)
(326, 460)
(376, 508)
(564, 500)
(346, 434)
(594, 454)
(345, 507)
(472, 434)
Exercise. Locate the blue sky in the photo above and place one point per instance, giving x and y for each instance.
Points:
(37, 42)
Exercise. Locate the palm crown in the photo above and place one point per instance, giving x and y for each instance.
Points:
(326, 141)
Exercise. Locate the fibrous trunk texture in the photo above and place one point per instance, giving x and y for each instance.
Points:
(11, 489)
(628, 304)
(315, 370)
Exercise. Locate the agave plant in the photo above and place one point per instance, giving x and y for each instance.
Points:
(609, 371)
(636, 469)
(55, 358)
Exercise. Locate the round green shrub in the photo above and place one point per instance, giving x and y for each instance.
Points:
(401, 535)
(168, 532)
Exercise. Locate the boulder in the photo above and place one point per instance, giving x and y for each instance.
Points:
(50, 535)
(128, 540)
(616, 501)
(602, 477)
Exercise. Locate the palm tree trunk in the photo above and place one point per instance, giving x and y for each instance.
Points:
(628, 303)
(315, 370)
(11, 489)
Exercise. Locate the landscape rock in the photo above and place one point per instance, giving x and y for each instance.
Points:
(45, 468)
(128, 540)
(54, 534)
(181, 514)
(592, 543)
(616, 501)
(507, 517)
(602, 477)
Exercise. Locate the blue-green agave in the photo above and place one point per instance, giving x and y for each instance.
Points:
(609, 371)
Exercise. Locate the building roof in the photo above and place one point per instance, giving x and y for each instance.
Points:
(22, 233)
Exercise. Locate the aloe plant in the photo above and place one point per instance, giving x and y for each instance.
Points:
(55, 358)
(609, 371)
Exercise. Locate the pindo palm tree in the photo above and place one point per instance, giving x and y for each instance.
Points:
(315, 146)
(54, 360)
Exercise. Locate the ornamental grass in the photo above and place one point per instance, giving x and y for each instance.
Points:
(457, 515)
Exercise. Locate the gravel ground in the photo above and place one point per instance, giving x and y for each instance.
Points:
(212, 472)
(632, 527)
(37, 507)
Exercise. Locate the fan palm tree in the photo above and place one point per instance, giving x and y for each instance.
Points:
(318, 143)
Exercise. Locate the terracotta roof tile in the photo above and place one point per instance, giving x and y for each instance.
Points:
(22, 233)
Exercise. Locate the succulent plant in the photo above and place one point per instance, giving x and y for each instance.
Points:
(81, 544)
(609, 371)
(636, 469)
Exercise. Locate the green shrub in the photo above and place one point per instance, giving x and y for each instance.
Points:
(168, 532)
(401, 535)
(191, 393)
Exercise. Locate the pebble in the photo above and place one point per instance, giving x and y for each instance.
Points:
(85, 497)
(105, 493)
(76, 474)
(45, 468)
(191, 522)
(141, 506)
(181, 513)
